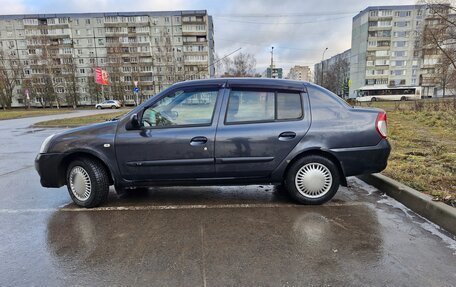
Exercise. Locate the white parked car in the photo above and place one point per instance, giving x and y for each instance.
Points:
(110, 104)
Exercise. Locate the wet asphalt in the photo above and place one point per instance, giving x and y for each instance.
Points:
(207, 236)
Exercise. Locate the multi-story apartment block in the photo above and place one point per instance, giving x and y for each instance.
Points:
(387, 49)
(58, 53)
(301, 73)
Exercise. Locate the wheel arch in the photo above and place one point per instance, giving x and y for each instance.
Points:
(82, 154)
(323, 153)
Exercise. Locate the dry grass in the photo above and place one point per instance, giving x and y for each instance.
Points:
(81, 121)
(22, 113)
(423, 139)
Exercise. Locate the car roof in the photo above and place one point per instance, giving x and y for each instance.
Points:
(248, 82)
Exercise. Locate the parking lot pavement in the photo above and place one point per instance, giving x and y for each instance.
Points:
(208, 236)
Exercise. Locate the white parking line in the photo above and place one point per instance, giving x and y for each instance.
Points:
(168, 207)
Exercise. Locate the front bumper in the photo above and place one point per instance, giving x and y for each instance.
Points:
(364, 160)
(48, 166)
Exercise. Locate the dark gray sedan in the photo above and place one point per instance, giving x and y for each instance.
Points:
(222, 131)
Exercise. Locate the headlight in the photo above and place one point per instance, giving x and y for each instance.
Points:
(45, 144)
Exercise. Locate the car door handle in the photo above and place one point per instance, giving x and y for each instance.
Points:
(286, 136)
(198, 141)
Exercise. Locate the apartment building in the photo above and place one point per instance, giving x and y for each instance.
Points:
(300, 73)
(387, 49)
(150, 49)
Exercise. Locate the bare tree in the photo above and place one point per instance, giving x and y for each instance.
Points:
(167, 60)
(94, 88)
(335, 76)
(242, 65)
(115, 69)
(11, 73)
(48, 68)
(440, 28)
(445, 75)
(71, 83)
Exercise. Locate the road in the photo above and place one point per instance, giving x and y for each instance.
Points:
(207, 236)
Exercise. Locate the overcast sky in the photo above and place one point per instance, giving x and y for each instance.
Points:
(298, 29)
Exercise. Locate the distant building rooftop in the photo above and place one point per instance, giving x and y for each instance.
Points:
(104, 14)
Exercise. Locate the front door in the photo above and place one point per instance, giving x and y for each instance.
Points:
(259, 129)
(176, 138)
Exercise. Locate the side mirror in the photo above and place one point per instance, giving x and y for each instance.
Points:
(133, 123)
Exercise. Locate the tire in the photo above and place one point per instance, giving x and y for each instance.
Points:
(91, 179)
(98, 107)
(403, 99)
(113, 107)
(374, 99)
(324, 186)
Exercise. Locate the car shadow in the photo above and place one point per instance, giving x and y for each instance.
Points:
(206, 196)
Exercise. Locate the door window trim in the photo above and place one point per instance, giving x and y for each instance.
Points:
(185, 89)
(275, 120)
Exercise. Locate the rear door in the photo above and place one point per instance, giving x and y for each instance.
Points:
(257, 129)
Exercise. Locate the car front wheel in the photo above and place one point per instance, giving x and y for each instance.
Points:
(87, 182)
(313, 180)
(98, 107)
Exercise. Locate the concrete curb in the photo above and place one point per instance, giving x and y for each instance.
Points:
(437, 212)
(55, 126)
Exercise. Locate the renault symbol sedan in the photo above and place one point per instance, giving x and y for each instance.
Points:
(222, 132)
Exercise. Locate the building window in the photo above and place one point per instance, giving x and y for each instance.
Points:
(384, 13)
(384, 23)
(400, 44)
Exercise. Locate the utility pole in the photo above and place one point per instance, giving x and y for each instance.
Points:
(322, 58)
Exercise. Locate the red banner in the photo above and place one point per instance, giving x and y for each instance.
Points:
(101, 76)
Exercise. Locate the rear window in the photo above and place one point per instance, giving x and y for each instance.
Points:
(263, 106)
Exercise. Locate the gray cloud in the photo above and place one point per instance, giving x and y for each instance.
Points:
(317, 24)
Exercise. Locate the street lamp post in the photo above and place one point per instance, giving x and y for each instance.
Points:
(272, 61)
(322, 58)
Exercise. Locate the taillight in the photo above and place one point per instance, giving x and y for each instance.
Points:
(381, 125)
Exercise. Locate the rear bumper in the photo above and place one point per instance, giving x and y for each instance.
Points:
(364, 160)
(47, 165)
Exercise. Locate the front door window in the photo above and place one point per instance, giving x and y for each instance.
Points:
(182, 108)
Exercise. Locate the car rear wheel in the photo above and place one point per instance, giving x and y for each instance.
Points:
(113, 107)
(403, 98)
(87, 182)
(98, 107)
(374, 99)
(313, 180)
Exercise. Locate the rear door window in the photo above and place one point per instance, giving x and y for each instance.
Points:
(250, 106)
(263, 106)
(289, 106)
